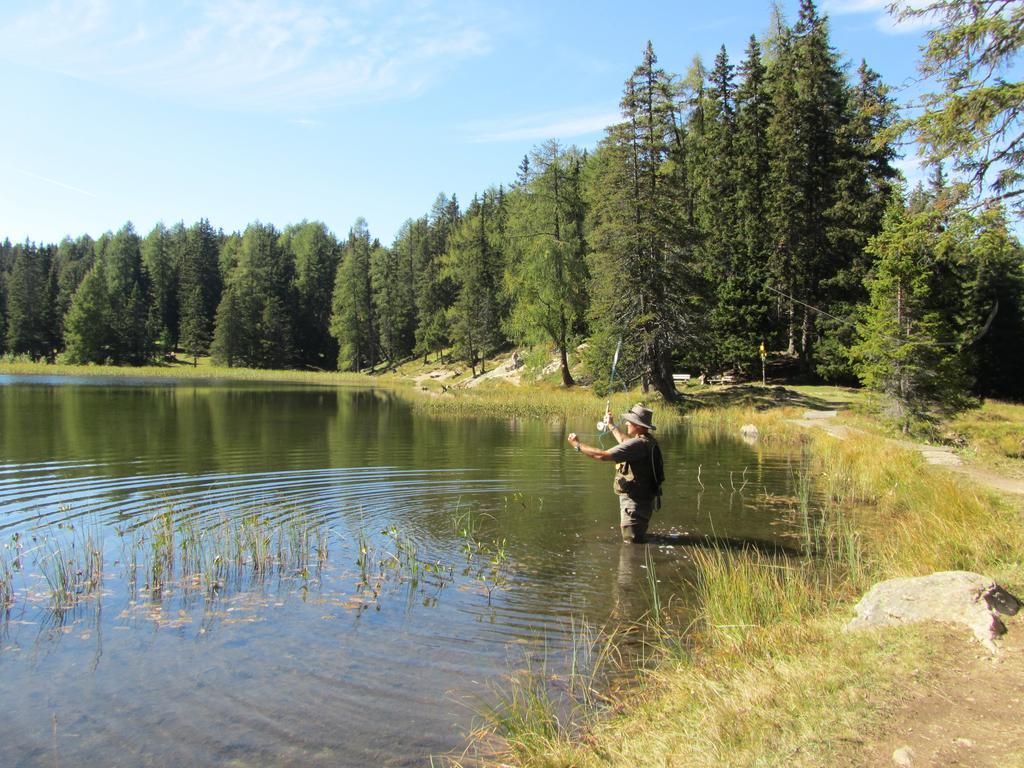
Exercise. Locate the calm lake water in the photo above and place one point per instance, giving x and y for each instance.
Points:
(329, 667)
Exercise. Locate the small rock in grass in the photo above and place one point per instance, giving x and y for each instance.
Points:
(903, 757)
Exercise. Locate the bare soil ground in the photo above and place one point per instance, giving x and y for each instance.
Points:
(968, 713)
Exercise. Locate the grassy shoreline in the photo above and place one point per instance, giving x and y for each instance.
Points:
(766, 676)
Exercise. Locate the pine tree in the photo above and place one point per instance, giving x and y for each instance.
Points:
(736, 318)
(977, 118)
(911, 339)
(435, 291)
(200, 283)
(993, 300)
(88, 336)
(864, 182)
(73, 260)
(749, 296)
(128, 291)
(3, 311)
(258, 304)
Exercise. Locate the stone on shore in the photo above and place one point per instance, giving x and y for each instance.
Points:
(958, 597)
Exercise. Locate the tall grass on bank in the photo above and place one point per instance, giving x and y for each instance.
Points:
(579, 407)
(537, 711)
(773, 425)
(915, 519)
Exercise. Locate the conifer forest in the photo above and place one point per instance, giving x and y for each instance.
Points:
(752, 199)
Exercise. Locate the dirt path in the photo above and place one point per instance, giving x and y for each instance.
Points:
(936, 455)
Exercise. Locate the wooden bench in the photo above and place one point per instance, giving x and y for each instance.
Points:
(680, 377)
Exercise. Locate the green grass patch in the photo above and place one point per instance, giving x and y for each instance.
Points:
(993, 431)
(187, 371)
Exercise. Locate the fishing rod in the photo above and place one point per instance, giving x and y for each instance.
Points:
(602, 425)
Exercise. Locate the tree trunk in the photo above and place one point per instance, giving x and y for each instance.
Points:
(791, 329)
(567, 380)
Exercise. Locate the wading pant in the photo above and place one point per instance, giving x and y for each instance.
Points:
(633, 519)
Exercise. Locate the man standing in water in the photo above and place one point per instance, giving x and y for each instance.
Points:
(639, 470)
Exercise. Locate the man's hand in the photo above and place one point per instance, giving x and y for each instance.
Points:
(608, 419)
(574, 439)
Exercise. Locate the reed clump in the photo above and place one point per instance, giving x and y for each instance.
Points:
(232, 552)
(71, 563)
(9, 564)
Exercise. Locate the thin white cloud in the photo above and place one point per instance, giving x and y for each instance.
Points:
(259, 54)
(885, 21)
(56, 183)
(844, 7)
(546, 126)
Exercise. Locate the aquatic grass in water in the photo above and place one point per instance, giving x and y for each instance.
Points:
(8, 565)
(535, 710)
(71, 563)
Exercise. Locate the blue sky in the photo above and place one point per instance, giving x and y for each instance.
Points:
(245, 110)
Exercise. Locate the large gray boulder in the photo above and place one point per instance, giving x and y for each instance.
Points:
(958, 597)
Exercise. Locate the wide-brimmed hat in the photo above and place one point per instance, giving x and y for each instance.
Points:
(640, 415)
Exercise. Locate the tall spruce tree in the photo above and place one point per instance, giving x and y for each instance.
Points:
(864, 182)
(159, 259)
(315, 252)
(977, 118)
(132, 336)
(200, 285)
(911, 340)
(750, 298)
(716, 176)
(30, 311)
(474, 263)
(391, 279)
(993, 300)
(88, 334)
(352, 312)
(257, 305)
(642, 260)
(435, 290)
